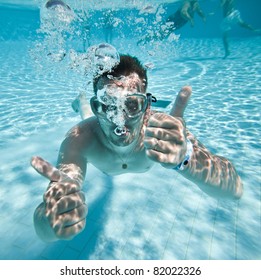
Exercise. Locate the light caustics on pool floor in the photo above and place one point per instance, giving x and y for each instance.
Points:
(155, 215)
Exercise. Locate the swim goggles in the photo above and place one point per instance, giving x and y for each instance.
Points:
(132, 106)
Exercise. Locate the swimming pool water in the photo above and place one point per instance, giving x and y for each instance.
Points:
(155, 215)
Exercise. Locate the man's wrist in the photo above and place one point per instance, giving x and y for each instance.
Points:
(187, 157)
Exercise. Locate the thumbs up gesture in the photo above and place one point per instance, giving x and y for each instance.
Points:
(165, 135)
(63, 211)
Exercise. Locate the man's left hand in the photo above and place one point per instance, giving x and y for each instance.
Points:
(165, 135)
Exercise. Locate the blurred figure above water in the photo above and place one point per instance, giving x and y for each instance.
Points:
(185, 14)
(231, 17)
(175, 21)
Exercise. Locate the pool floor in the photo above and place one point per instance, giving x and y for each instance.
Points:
(155, 215)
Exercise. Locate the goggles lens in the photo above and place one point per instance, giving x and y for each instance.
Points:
(132, 105)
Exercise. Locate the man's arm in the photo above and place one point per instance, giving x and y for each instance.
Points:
(166, 143)
(214, 174)
(63, 211)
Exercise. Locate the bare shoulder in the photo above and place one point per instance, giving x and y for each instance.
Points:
(83, 134)
(82, 127)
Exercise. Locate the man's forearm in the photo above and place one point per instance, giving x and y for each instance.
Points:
(214, 174)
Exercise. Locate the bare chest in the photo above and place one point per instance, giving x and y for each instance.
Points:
(113, 163)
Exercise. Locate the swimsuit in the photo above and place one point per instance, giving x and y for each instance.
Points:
(232, 19)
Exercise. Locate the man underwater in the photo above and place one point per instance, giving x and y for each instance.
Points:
(125, 136)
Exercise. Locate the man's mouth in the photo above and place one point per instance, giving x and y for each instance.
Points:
(121, 131)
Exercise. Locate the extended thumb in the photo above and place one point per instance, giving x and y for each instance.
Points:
(181, 102)
(46, 169)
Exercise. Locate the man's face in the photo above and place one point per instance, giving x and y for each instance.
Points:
(121, 103)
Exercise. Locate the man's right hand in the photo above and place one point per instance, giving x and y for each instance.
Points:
(62, 215)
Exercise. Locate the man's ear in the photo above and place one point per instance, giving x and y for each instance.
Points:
(93, 107)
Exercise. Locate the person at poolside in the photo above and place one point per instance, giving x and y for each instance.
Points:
(125, 136)
(185, 14)
(177, 20)
(231, 16)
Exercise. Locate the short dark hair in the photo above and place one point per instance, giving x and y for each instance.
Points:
(128, 65)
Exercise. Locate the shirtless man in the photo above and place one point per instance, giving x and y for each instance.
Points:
(231, 17)
(123, 136)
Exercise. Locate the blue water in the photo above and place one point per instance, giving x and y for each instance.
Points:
(158, 214)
